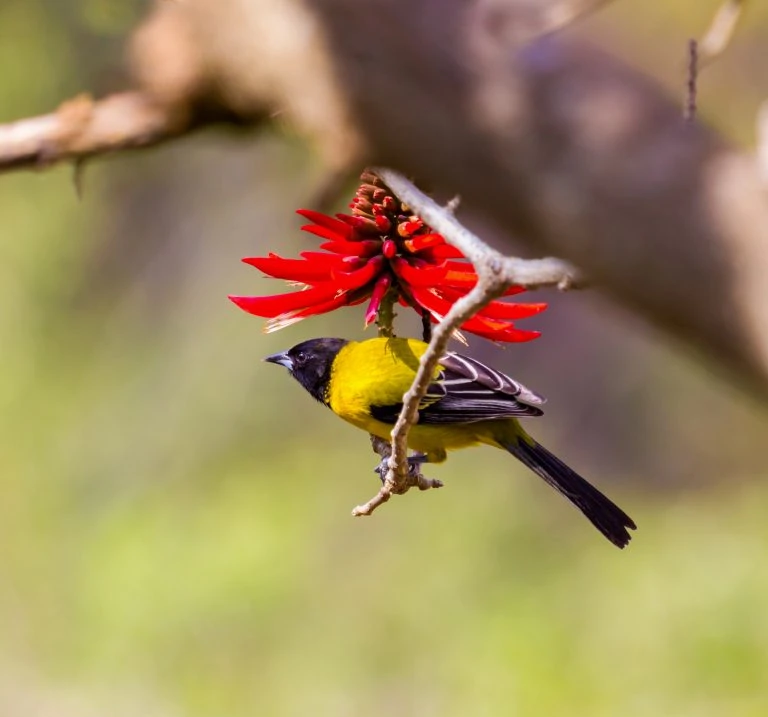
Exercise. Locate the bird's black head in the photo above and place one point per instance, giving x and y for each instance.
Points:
(310, 363)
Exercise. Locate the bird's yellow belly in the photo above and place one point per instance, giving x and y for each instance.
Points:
(432, 440)
(387, 371)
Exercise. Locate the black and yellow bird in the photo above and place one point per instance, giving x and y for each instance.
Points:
(467, 404)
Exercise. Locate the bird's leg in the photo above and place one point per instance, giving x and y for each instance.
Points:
(414, 469)
(419, 479)
(416, 479)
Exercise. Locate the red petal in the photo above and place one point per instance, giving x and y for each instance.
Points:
(510, 310)
(324, 233)
(436, 305)
(292, 269)
(368, 247)
(462, 275)
(426, 276)
(357, 296)
(379, 291)
(423, 241)
(460, 266)
(338, 226)
(497, 309)
(408, 228)
(323, 307)
(292, 317)
(271, 306)
(362, 225)
(329, 261)
(440, 253)
(389, 249)
(356, 279)
(459, 280)
(490, 330)
(406, 297)
(433, 247)
(482, 326)
(485, 323)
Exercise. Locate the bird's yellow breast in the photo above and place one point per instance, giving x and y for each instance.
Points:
(372, 373)
(378, 372)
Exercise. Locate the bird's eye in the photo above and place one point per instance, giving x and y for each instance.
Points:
(301, 358)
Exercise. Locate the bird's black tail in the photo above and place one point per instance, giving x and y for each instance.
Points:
(605, 515)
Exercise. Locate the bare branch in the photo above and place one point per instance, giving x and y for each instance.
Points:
(399, 479)
(721, 30)
(530, 273)
(711, 46)
(762, 141)
(689, 112)
(453, 204)
(669, 219)
(81, 127)
(496, 273)
(412, 479)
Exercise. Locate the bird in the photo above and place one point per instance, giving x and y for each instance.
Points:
(466, 404)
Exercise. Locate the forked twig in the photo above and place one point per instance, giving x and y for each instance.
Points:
(720, 30)
(709, 48)
(496, 273)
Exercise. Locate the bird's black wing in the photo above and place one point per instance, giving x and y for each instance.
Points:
(462, 374)
(467, 391)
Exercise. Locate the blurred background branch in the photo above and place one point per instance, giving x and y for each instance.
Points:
(762, 140)
(721, 30)
(656, 212)
(81, 128)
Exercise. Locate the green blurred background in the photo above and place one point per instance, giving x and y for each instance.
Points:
(169, 547)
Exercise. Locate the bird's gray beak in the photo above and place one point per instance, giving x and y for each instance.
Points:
(282, 358)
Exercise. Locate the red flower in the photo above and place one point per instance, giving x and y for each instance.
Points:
(381, 247)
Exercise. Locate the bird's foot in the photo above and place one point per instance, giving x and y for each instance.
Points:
(414, 466)
(415, 476)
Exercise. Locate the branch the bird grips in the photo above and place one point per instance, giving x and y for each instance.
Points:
(418, 395)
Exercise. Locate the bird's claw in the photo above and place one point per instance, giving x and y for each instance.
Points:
(415, 477)
(414, 466)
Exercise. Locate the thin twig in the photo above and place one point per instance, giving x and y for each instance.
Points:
(720, 30)
(413, 479)
(399, 479)
(530, 273)
(762, 141)
(689, 112)
(83, 127)
(711, 46)
(453, 205)
(496, 273)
